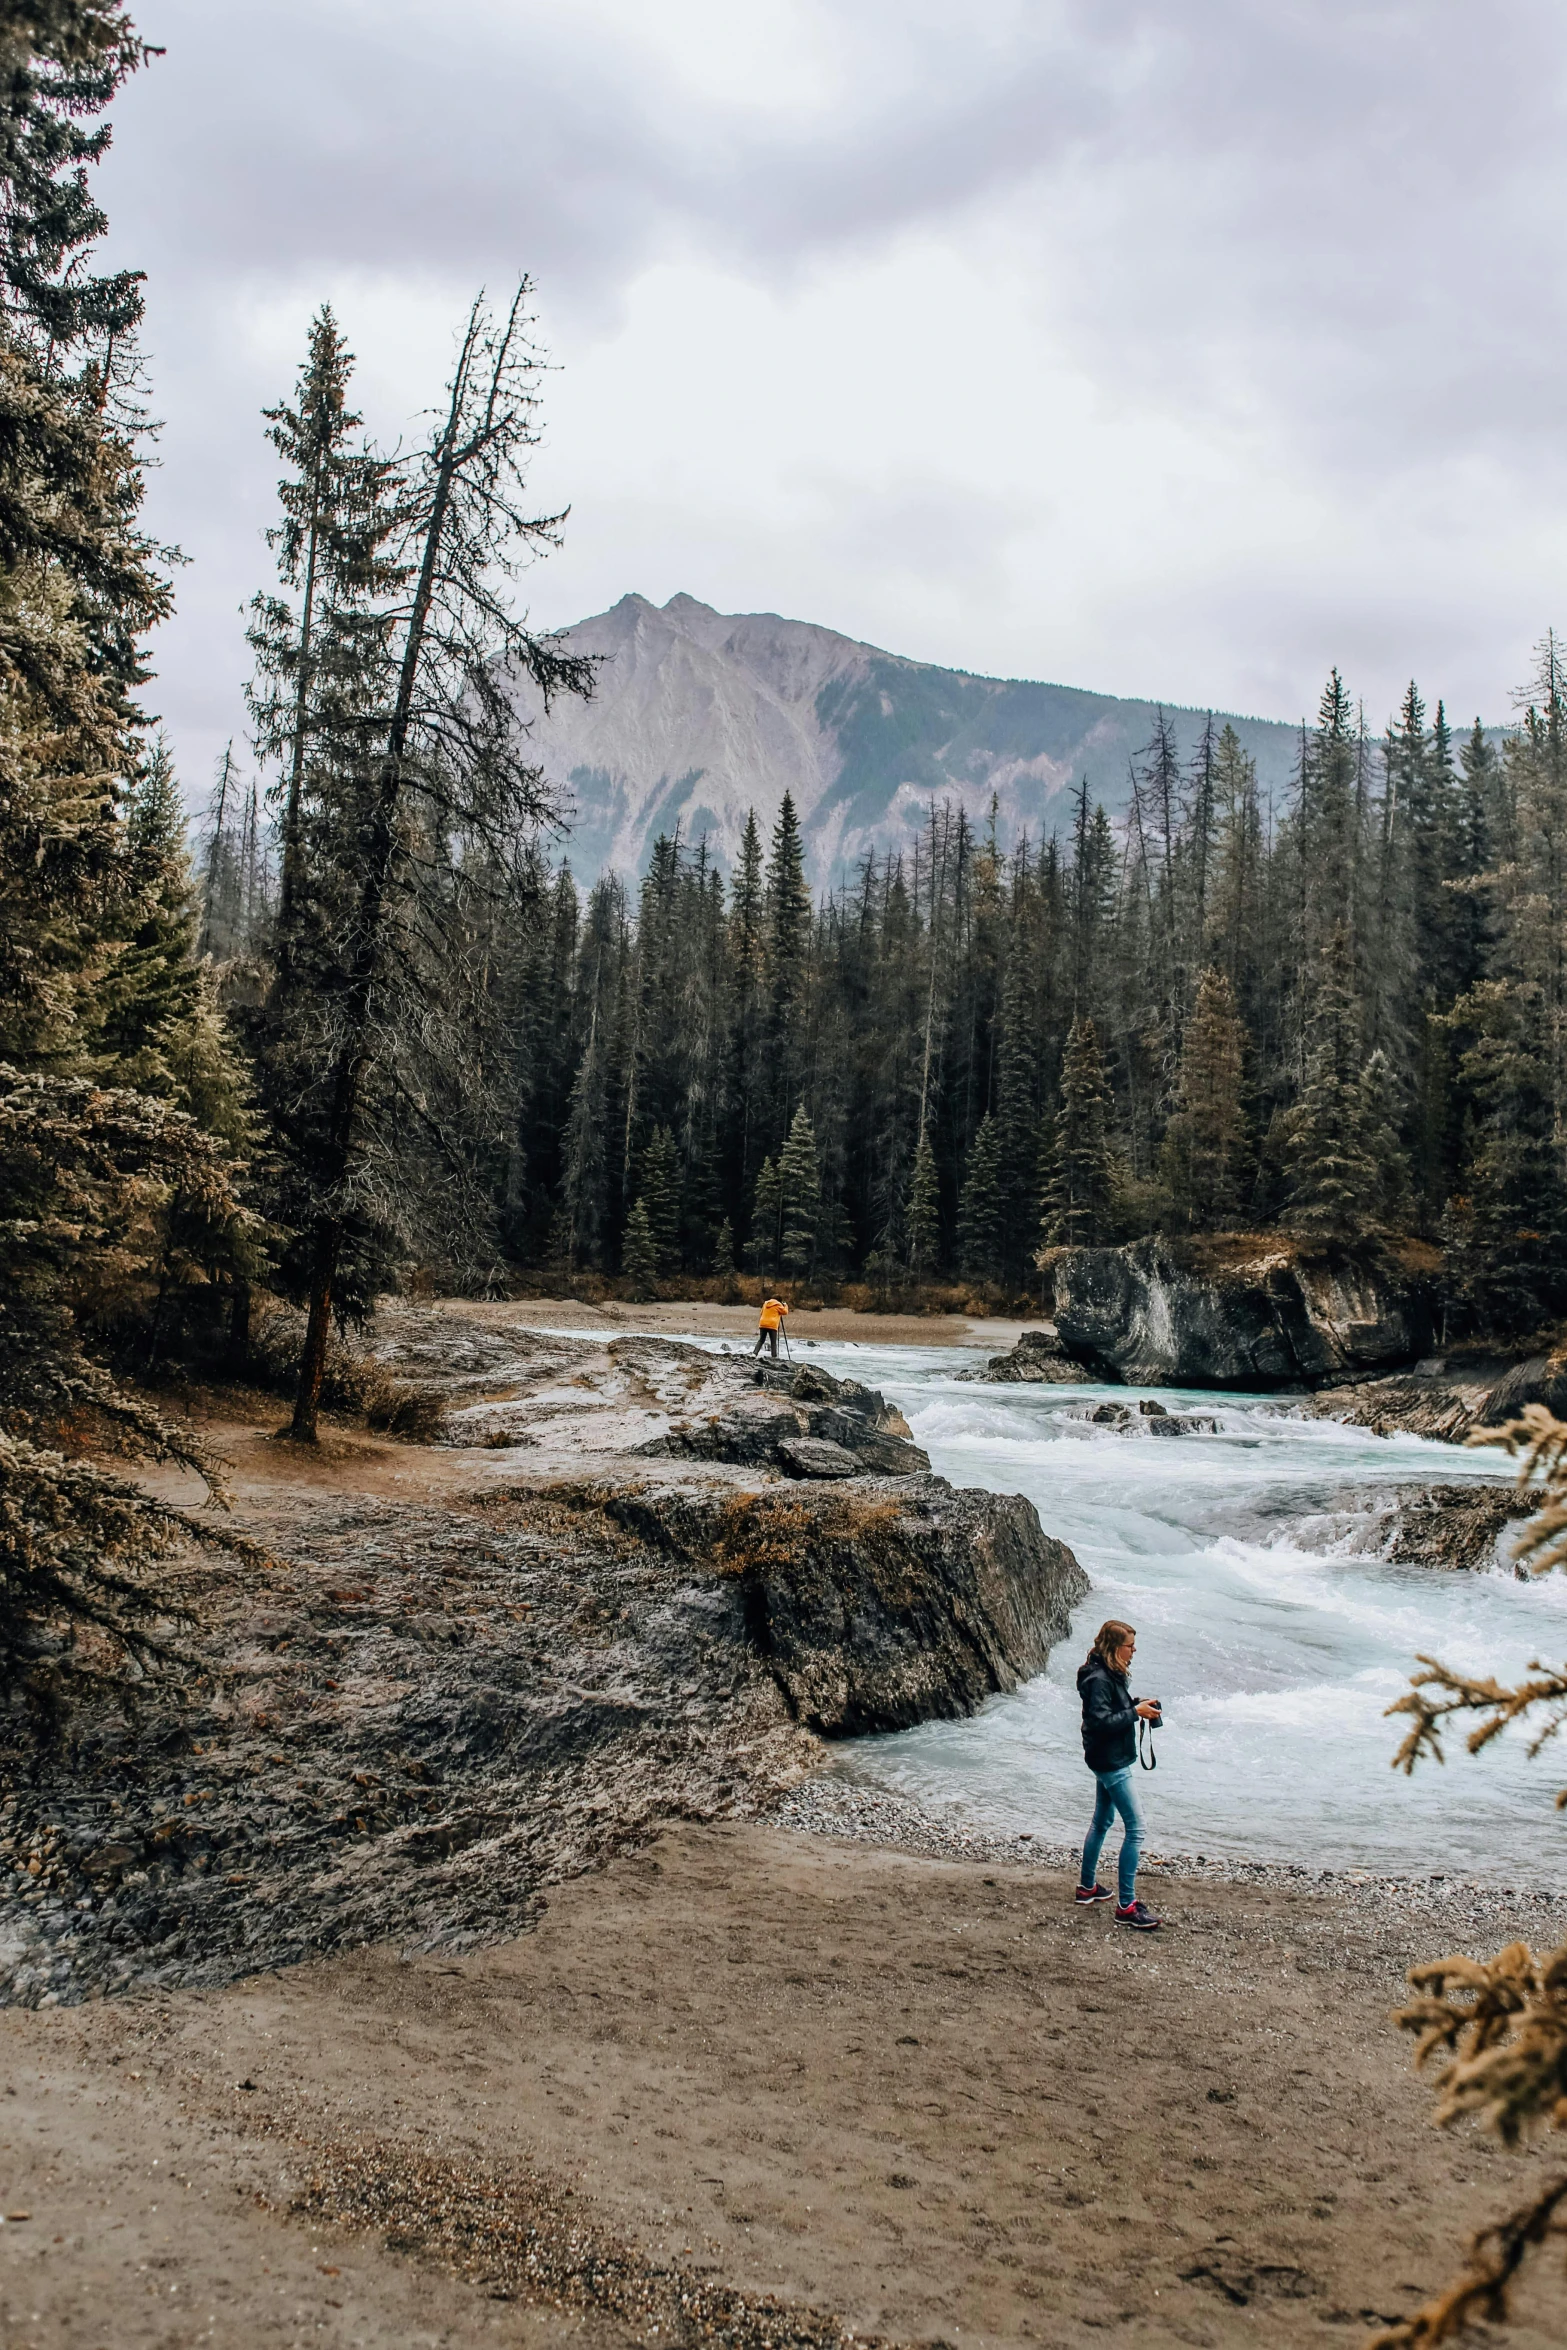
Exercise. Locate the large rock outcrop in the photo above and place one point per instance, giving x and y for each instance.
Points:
(503, 1389)
(802, 1421)
(1154, 1314)
(433, 1707)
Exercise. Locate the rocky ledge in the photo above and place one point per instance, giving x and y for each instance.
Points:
(1449, 1397)
(508, 1389)
(1163, 1314)
(433, 1707)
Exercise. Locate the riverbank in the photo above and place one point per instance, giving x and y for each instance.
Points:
(1464, 1909)
(698, 1318)
(783, 2085)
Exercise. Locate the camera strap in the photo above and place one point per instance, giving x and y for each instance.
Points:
(1149, 1760)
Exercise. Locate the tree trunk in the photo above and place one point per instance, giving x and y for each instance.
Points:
(288, 896)
(239, 1324)
(312, 1363)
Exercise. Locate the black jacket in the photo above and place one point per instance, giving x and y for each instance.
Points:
(1109, 1717)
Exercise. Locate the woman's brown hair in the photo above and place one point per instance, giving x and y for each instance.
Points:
(1111, 1637)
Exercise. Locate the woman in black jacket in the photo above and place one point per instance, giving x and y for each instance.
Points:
(1110, 1717)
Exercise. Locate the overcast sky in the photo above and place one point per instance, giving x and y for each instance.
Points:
(1176, 350)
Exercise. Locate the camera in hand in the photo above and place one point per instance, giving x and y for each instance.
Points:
(1156, 1719)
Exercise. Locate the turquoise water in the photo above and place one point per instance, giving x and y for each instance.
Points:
(1274, 1635)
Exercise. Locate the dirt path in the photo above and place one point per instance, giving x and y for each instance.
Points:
(932, 2098)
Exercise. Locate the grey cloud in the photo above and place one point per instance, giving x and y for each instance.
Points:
(1333, 225)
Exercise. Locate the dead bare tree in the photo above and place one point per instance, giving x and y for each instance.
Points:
(442, 782)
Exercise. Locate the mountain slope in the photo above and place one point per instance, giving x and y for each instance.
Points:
(700, 715)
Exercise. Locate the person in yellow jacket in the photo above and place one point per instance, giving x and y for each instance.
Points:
(768, 1327)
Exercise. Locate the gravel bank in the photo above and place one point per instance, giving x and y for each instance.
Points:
(1402, 1906)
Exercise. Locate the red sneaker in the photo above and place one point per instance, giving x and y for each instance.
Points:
(1094, 1893)
(1138, 1916)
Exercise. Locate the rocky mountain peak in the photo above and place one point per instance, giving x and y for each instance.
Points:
(701, 715)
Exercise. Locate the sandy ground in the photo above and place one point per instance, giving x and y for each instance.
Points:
(671, 1319)
(932, 2098)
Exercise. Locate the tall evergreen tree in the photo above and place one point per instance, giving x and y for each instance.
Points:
(332, 558)
(800, 1197)
(922, 1212)
(660, 1198)
(982, 1207)
(763, 1250)
(116, 1205)
(1079, 1200)
(447, 767)
(1205, 1141)
(1333, 1177)
(1388, 1209)
(639, 1253)
(787, 944)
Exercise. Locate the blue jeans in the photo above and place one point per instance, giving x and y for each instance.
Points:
(1115, 1795)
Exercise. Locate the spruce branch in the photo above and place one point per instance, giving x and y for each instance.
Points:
(1496, 2028)
(1481, 2293)
(1496, 1704)
(1541, 1439)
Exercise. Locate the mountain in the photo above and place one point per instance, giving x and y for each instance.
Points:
(700, 715)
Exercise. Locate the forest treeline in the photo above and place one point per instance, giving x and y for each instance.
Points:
(1342, 1015)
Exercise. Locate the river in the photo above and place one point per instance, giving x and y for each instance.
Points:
(1265, 1622)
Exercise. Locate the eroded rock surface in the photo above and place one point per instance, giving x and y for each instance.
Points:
(1153, 1315)
(1448, 1397)
(431, 1709)
(423, 1716)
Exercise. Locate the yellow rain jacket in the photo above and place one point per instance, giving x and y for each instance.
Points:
(772, 1315)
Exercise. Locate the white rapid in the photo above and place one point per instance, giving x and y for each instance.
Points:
(1273, 1634)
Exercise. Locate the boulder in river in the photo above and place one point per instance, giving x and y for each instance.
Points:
(1038, 1359)
(759, 1417)
(1454, 1526)
(1149, 1418)
(1159, 1314)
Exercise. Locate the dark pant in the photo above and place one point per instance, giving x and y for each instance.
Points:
(762, 1339)
(1115, 1795)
